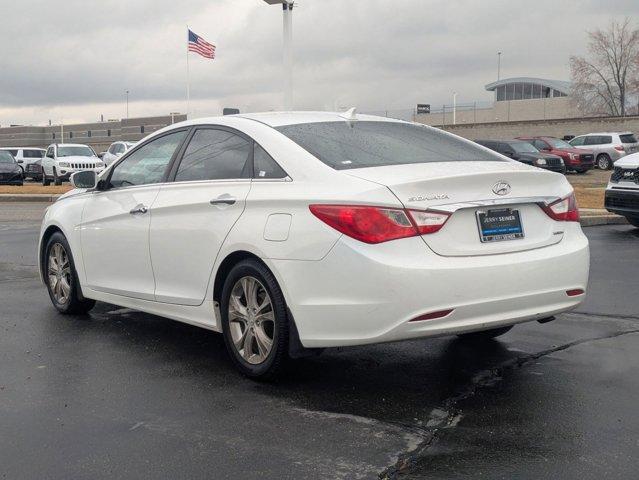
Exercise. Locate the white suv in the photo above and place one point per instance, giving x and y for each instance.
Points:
(116, 150)
(61, 160)
(607, 147)
(622, 194)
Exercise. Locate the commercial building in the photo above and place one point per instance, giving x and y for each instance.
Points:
(515, 99)
(98, 135)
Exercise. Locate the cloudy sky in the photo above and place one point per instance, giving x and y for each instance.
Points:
(73, 60)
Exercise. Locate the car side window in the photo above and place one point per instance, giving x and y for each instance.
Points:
(540, 144)
(148, 164)
(605, 139)
(111, 149)
(505, 149)
(215, 155)
(577, 142)
(592, 140)
(264, 166)
(50, 152)
(118, 148)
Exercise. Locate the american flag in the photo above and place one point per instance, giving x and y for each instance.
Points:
(198, 45)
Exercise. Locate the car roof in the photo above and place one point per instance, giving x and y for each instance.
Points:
(277, 119)
(69, 144)
(22, 148)
(606, 133)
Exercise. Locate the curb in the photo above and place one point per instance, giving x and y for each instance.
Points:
(598, 220)
(36, 197)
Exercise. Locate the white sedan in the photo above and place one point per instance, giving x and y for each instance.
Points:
(290, 232)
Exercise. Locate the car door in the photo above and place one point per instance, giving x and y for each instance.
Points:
(47, 161)
(194, 213)
(116, 219)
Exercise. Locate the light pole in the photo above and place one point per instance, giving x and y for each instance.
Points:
(287, 35)
(454, 108)
(127, 104)
(498, 65)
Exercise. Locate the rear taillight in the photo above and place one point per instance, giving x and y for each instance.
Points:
(564, 210)
(378, 224)
(620, 148)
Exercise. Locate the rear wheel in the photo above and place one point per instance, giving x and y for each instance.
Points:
(604, 162)
(254, 320)
(61, 277)
(485, 334)
(45, 181)
(634, 221)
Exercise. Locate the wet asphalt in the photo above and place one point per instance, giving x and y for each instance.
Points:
(121, 394)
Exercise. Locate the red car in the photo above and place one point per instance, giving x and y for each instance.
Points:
(574, 158)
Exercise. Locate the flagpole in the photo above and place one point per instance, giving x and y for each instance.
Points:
(188, 76)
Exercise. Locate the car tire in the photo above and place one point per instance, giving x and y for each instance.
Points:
(45, 181)
(56, 180)
(634, 221)
(247, 333)
(64, 291)
(485, 334)
(604, 162)
(581, 171)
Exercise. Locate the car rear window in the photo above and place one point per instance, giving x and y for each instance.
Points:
(345, 145)
(628, 138)
(33, 153)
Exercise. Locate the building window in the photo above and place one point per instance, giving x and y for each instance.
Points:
(536, 91)
(70, 134)
(108, 133)
(53, 136)
(528, 91)
(501, 93)
(546, 92)
(510, 91)
(141, 128)
(519, 91)
(89, 133)
(557, 93)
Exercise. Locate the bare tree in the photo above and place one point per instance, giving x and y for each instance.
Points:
(603, 80)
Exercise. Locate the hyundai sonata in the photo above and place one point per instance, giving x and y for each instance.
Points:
(292, 232)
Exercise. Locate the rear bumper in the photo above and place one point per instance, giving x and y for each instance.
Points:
(361, 294)
(622, 202)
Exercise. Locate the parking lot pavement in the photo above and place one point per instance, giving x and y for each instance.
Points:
(120, 394)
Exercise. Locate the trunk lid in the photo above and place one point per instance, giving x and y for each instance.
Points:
(465, 189)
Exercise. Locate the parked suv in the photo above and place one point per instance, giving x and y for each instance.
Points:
(10, 172)
(115, 151)
(526, 153)
(622, 194)
(26, 157)
(575, 159)
(607, 147)
(62, 160)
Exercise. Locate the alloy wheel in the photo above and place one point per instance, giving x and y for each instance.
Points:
(251, 320)
(59, 273)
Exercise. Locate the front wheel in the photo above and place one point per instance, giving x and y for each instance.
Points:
(254, 320)
(604, 162)
(61, 277)
(485, 334)
(56, 179)
(45, 181)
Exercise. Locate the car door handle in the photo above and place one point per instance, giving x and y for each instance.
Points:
(225, 199)
(139, 209)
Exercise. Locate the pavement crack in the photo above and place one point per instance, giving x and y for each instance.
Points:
(448, 414)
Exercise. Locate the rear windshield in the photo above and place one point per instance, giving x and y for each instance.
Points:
(345, 145)
(628, 138)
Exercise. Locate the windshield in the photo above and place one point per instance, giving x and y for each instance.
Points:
(345, 145)
(79, 151)
(523, 147)
(556, 143)
(6, 157)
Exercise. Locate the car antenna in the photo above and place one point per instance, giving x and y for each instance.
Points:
(350, 114)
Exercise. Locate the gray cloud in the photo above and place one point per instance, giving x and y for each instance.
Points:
(376, 54)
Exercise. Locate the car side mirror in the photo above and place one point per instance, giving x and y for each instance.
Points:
(101, 155)
(85, 179)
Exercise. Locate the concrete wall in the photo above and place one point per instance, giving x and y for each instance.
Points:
(556, 128)
(506, 111)
(99, 135)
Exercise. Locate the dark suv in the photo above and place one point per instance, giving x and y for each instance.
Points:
(526, 153)
(575, 159)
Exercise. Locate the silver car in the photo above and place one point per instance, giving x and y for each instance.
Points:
(607, 147)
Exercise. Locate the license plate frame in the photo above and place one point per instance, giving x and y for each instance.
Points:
(503, 229)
